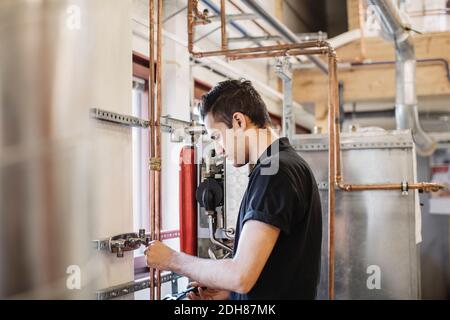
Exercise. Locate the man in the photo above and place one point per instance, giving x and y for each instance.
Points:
(278, 237)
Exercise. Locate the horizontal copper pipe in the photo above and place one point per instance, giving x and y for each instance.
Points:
(424, 186)
(200, 23)
(303, 45)
(292, 52)
(223, 25)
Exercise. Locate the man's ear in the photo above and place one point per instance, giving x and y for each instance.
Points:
(239, 120)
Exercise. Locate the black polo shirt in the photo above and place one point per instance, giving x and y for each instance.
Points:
(282, 192)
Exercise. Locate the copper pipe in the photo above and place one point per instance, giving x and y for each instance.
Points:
(158, 135)
(423, 186)
(295, 52)
(194, 17)
(223, 25)
(190, 26)
(151, 114)
(199, 17)
(332, 87)
(201, 22)
(302, 45)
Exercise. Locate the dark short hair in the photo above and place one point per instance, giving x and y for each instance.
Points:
(231, 96)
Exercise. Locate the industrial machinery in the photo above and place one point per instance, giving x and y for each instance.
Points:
(214, 238)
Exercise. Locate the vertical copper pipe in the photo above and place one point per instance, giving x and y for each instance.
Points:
(190, 26)
(223, 26)
(158, 136)
(337, 152)
(331, 169)
(151, 114)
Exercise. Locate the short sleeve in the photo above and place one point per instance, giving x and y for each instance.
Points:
(272, 199)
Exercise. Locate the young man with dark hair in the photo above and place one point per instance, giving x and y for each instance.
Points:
(278, 238)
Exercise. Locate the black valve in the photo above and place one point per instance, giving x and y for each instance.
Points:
(209, 194)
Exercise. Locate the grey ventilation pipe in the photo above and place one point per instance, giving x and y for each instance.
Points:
(284, 32)
(406, 112)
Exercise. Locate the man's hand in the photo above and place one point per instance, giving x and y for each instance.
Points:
(238, 274)
(159, 256)
(207, 294)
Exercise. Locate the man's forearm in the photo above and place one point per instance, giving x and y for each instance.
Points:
(218, 274)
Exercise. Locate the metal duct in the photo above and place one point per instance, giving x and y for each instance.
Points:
(406, 112)
(287, 34)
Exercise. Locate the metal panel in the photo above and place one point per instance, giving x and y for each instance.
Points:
(133, 286)
(374, 229)
(118, 118)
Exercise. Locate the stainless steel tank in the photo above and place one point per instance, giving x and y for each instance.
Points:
(49, 61)
(376, 256)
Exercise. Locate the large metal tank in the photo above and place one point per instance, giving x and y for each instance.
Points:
(56, 62)
(376, 256)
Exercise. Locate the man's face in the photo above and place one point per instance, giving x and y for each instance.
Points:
(230, 142)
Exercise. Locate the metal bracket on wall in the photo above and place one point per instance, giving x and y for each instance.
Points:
(284, 72)
(132, 286)
(168, 124)
(120, 119)
(169, 234)
(354, 146)
(180, 129)
(123, 242)
(131, 241)
(323, 186)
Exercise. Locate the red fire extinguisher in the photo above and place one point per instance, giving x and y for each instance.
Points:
(188, 202)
